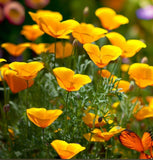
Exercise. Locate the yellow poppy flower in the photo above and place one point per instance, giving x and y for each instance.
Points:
(25, 70)
(66, 150)
(31, 32)
(45, 13)
(99, 136)
(125, 67)
(15, 50)
(101, 57)
(129, 47)
(42, 117)
(55, 28)
(115, 104)
(15, 83)
(109, 19)
(63, 50)
(68, 80)
(89, 120)
(87, 33)
(142, 74)
(2, 60)
(2, 69)
(39, 48)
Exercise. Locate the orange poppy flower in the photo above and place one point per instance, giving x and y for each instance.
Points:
(129, 47)
(39, 48)
(101, 57)
(45, 13)
(31, 32)
(42, 117)
(142, 74)
(109, 19)
(15, 83)
(63, 50)
(15, 50)
(26, 71)
(125, 67)
(131, 140)
(122, 85)
(89, 119)
(87, 33)
(99, 136)
(55, 28)
(68, 80)
(66, 150)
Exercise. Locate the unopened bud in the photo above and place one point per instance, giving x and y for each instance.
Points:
(75, 43)
(6, 107)
(86, 11)
(100, 119)
(144, 60)
(131, 87)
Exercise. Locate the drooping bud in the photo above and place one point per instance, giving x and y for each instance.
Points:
(86, 11)
(144, 60)
(6, 107)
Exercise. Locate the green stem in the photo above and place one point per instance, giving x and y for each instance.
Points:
(55, 53)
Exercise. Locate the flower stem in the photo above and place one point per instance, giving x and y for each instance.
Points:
(55, 53)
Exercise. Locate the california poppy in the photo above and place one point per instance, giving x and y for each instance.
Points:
(142, 74)
(66, 150)
(31, 32)
(42, 117)
(101, 57)
(129, 47)
(15, 83)
(68, 80)
(55, 28)
(99, 136)
(109, 19)
(25, 70)
(87, 33)
(63, 50)
(39, 48)
(131, 140)
(45, 13)
(15, 50)
(89, 119)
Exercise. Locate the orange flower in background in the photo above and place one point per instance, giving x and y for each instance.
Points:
(55, 28)
(31, 32)
(129, 47)
(25, 70)
(14, 12)
(42, 117)
(109, 19)
(68, 80)
(37, 4)
(87, 33)
(63, 50)
(144, 112)
(66, 150)
(15, 50)
(45, 13)
(125, 67)
(122, 85)
(39, 48)
(142, 74)
(99, 136)
(131, 140)
(89, 119)
(101, 57)
(15, 83)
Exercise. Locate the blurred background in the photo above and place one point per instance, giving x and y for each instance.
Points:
(14, 15)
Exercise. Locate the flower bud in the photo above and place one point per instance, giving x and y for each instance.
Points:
(86, 11)
(144, 60)
(6, 107)
(100, 119)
